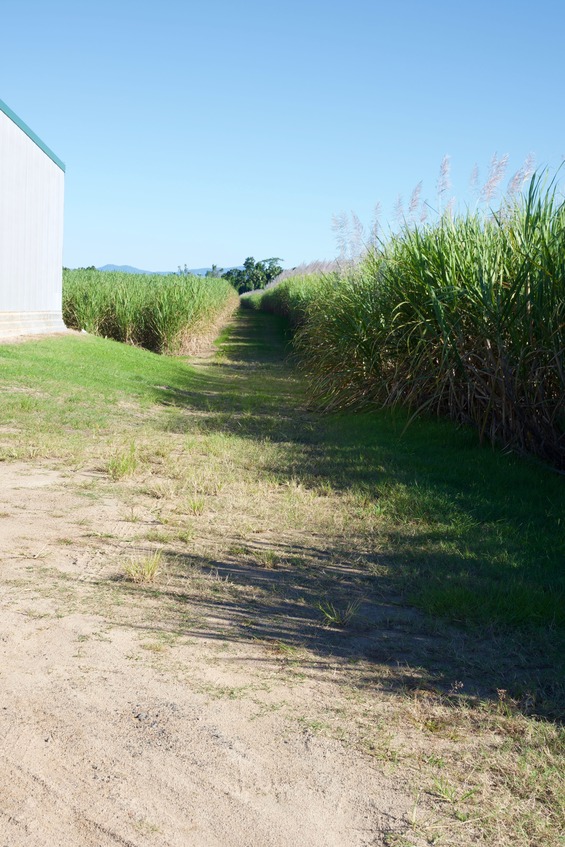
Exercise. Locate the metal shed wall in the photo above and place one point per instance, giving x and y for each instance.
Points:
(31, 232)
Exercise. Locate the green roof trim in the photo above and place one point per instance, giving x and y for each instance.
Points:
(30, 134)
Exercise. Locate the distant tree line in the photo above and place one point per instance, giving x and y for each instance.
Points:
(254, 274)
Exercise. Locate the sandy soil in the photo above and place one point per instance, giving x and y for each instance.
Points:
(109, 736)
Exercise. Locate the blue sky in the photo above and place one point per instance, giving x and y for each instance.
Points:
(206, 132)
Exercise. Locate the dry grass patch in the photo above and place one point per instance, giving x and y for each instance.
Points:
(145, 569)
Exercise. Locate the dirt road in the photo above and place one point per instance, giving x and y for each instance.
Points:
(125, 723)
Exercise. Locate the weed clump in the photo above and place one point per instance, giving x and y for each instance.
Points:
(123, 463)
(144, 570)
(338, 615)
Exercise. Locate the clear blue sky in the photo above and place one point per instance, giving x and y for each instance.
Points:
(205, 132)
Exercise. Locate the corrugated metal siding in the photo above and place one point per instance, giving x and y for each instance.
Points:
(31, 224)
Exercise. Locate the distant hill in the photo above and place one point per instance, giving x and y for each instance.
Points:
(127, 269)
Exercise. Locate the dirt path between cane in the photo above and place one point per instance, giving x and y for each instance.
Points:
(202, 636)
(140, 715)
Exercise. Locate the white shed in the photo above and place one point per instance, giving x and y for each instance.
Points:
(31, 231)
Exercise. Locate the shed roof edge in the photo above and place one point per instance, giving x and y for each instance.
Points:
(31, 134)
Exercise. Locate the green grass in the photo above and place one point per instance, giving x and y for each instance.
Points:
(73, 396)
(166, 314)
(474, 535)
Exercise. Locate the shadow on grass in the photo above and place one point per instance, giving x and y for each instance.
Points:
(384, 643)
(466, 534)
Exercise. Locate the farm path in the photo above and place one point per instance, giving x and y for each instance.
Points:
(217, 705)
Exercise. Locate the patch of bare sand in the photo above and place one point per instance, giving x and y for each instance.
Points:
(23, 337)
(107, 738)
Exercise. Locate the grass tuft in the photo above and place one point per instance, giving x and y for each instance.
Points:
(144, 570)
(338, 615)
(123, 463)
